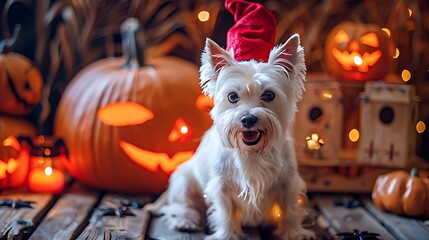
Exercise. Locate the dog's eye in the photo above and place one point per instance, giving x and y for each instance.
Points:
(233, 97)
(268, 96)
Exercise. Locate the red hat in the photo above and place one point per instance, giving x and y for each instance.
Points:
(253, 34)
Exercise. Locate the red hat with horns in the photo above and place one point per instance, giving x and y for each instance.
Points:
(253, 34)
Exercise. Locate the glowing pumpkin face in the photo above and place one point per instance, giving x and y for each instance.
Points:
(14, 160)
(126, 129)
(20, 84)
(358, 51)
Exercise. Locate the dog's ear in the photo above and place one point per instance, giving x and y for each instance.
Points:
(290, 56)
(213, 59)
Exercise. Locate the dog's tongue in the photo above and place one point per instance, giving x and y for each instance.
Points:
(250, 136)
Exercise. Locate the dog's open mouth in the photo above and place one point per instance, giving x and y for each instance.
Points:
(251, 137)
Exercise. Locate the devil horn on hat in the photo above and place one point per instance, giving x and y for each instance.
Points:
(253, 34)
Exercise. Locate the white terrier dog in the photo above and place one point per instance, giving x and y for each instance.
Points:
(245, 163)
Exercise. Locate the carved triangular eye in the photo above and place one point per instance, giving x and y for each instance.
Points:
(181, 131)
(342, 37)
(124, 114)
(370, 39)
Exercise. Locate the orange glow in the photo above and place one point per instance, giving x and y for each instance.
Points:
(203, 16)
(152, 161)
(40, 181)
(314, 142)
(370, 39)
(341, 37)
(12, 142)
(406, 75)
(354, 135)
(181, 131)
(276, 211)
(386, 31)
(124, 114)
(420, 127)
(396, 55)
(10, 167)
(204, 103)
(347, 60)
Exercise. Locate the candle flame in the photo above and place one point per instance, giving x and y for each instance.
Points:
(48, 171)
(357, 60)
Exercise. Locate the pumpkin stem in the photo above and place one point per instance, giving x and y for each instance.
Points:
(9, 43)
(132, 43)
(414, 172)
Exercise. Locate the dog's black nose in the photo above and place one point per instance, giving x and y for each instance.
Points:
(248, 120)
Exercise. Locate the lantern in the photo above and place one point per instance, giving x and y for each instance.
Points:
(358, 51)
(46, 174)
(128, 124)
(14, 163)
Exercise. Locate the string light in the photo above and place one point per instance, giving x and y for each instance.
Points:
(354, 135)
(203, 16)
(406, 75)
(420, 127)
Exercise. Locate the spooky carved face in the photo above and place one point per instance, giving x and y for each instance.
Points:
(20, 84)
(358, 52)
(128, 129)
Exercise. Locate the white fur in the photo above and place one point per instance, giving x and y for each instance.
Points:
(232, 183)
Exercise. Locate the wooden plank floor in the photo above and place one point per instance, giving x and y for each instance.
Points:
(80, 213)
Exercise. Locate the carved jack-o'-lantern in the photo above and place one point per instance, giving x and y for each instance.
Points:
(357, 51)
(14, 160)
(20, 84)
(127, 127)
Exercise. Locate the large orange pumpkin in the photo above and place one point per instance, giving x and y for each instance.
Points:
(20, 84)
(358, 51)
(402, 193)
(127, 127)
(14, 160)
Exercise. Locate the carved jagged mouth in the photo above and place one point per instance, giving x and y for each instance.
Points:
(152, 161)
(15, 92)
(252, 137)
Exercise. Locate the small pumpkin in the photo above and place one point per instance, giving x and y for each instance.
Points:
(127, 126)
(402, 193)
(358, 51)
(14, 160)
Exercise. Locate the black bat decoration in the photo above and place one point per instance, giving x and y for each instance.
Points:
(121, 211)
(357, 235)
(15, 203)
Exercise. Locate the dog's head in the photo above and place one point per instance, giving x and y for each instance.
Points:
(255, 102)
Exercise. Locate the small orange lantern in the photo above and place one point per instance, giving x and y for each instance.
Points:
(358, 51)
(46, 174)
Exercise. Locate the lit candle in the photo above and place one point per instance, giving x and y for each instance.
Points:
(46, 175)
(46, 180)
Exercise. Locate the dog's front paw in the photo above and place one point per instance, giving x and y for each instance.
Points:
(182, 218)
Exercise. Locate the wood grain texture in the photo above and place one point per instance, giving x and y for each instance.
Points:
(402, 227)
(117, 227)
(20, 222)
(66, 218)
(345, 219)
